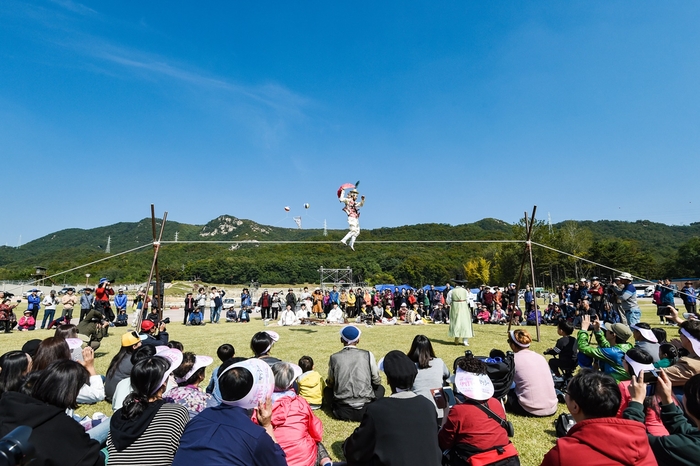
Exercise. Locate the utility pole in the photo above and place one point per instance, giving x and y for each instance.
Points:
(108, 249)
(176, 235)
(325, 230)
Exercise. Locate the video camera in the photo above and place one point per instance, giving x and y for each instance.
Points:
(15, 448)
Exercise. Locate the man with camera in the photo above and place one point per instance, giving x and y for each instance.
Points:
(156, 335)
(612, 346)
(627, 295)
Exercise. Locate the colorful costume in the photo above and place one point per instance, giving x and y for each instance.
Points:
(352, 209)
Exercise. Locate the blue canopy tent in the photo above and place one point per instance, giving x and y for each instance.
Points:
(381, 288)
(437, 288)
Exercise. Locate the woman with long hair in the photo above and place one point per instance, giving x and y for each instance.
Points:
(14, 366)
(432, 371)
(57, 438)
(120, 366)
(147, 430)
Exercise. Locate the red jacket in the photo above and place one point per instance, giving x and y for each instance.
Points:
(297, 430)
(604, 441)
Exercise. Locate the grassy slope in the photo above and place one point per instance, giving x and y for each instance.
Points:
(534, 437)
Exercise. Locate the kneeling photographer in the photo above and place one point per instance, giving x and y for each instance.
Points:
(154, 335)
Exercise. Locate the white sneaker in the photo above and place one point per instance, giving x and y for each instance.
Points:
(466, 342)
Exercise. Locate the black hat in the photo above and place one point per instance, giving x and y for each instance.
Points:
(399, 369)
(31, 346)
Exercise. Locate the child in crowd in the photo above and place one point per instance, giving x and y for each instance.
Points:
(26, 322)
(668, 355)
(566, 348)
(122, 319)
(224, 352)
(310, 382)
(483, 316)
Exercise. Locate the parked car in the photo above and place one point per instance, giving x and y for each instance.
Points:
(229, 303)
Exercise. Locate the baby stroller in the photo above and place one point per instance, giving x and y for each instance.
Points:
(500, 367)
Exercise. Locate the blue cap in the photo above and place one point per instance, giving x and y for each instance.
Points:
(350, 334)
(102, 280)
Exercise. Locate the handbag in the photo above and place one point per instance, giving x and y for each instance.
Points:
(507, 425)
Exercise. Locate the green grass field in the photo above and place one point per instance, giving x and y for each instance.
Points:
(533, 437)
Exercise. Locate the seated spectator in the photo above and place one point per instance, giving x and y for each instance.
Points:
(498, 316)
(469, 429)
(335, 316)
(26, 322)
(687, 366)
(147, 430)
(637, 360)
(54, 349)
(224, 352)
(297, 430)
(262, 343)
(516, 315)
(353, 380)
(302, 313)
(188, 376)
(310, 383)
(535, 316)
(154, 335)
(122, 319)
(14, 366)
(533, 394)
(7, 316)
(244, 315)
(566, 349)
(288, 317)
(598, 437)
(660, 335)
(668, 356)
(439, 314)
(682, 445)
(225, 434)
(231, 315)
(432, 371)
(57, 438)
(645, 339)
(611, 348)
(120, 366)
(380, 438)
(483, 316)
(123, 388)
(196, 317)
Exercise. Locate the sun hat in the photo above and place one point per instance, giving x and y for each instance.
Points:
(350, 334)
(638, 367)
(646, 333)
(625, 276)
(74, 343)
(263, 383)
(199, 362)
(621, 331)
(693, 341)
(174, 358)
(474, 386)
(147, 325)
(130, 338)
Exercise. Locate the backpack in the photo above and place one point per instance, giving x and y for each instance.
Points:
(563, 423)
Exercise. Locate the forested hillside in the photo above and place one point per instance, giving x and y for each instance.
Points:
(643, 248)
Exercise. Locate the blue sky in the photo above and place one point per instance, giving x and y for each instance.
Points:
(447, 112)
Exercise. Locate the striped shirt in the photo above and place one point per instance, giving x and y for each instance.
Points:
(158, 444)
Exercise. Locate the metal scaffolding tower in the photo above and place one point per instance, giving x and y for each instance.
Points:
(339, 277)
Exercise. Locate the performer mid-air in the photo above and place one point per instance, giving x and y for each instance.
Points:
(352, 209)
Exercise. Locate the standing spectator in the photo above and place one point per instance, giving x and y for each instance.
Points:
(50, 302)
(380, 439)
(265, 302)
(533, 394)
(512, 293)
(102, 293)
(291, 299)
(353, 380)
(246, 301)
(350, 309)
(529, 298)
(318, 303)
(121, 301)
(275, 306)
(598, 437)
(190, 304)
(627, 294)
(666, 299)
(689, 297)
(201, 300)
(69, 300)
(217, 298)
(334, 296)
(596, 292)
(33, 302)
(343, 299)
(305, 297)
(566, 349)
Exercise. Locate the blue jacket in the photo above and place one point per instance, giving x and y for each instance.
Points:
(225, 435)
(120, 301)
(334, 295)
(33, 302)
(690, 296)
(666, 295)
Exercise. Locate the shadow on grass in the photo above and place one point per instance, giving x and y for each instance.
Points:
(551, 432)
(302, 330)
(337, 449)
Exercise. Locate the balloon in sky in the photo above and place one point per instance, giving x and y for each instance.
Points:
(306, 206)
(286, 208)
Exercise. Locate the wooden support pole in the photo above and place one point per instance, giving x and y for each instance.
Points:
(526, 251)
(156, 249)
(157, 272)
